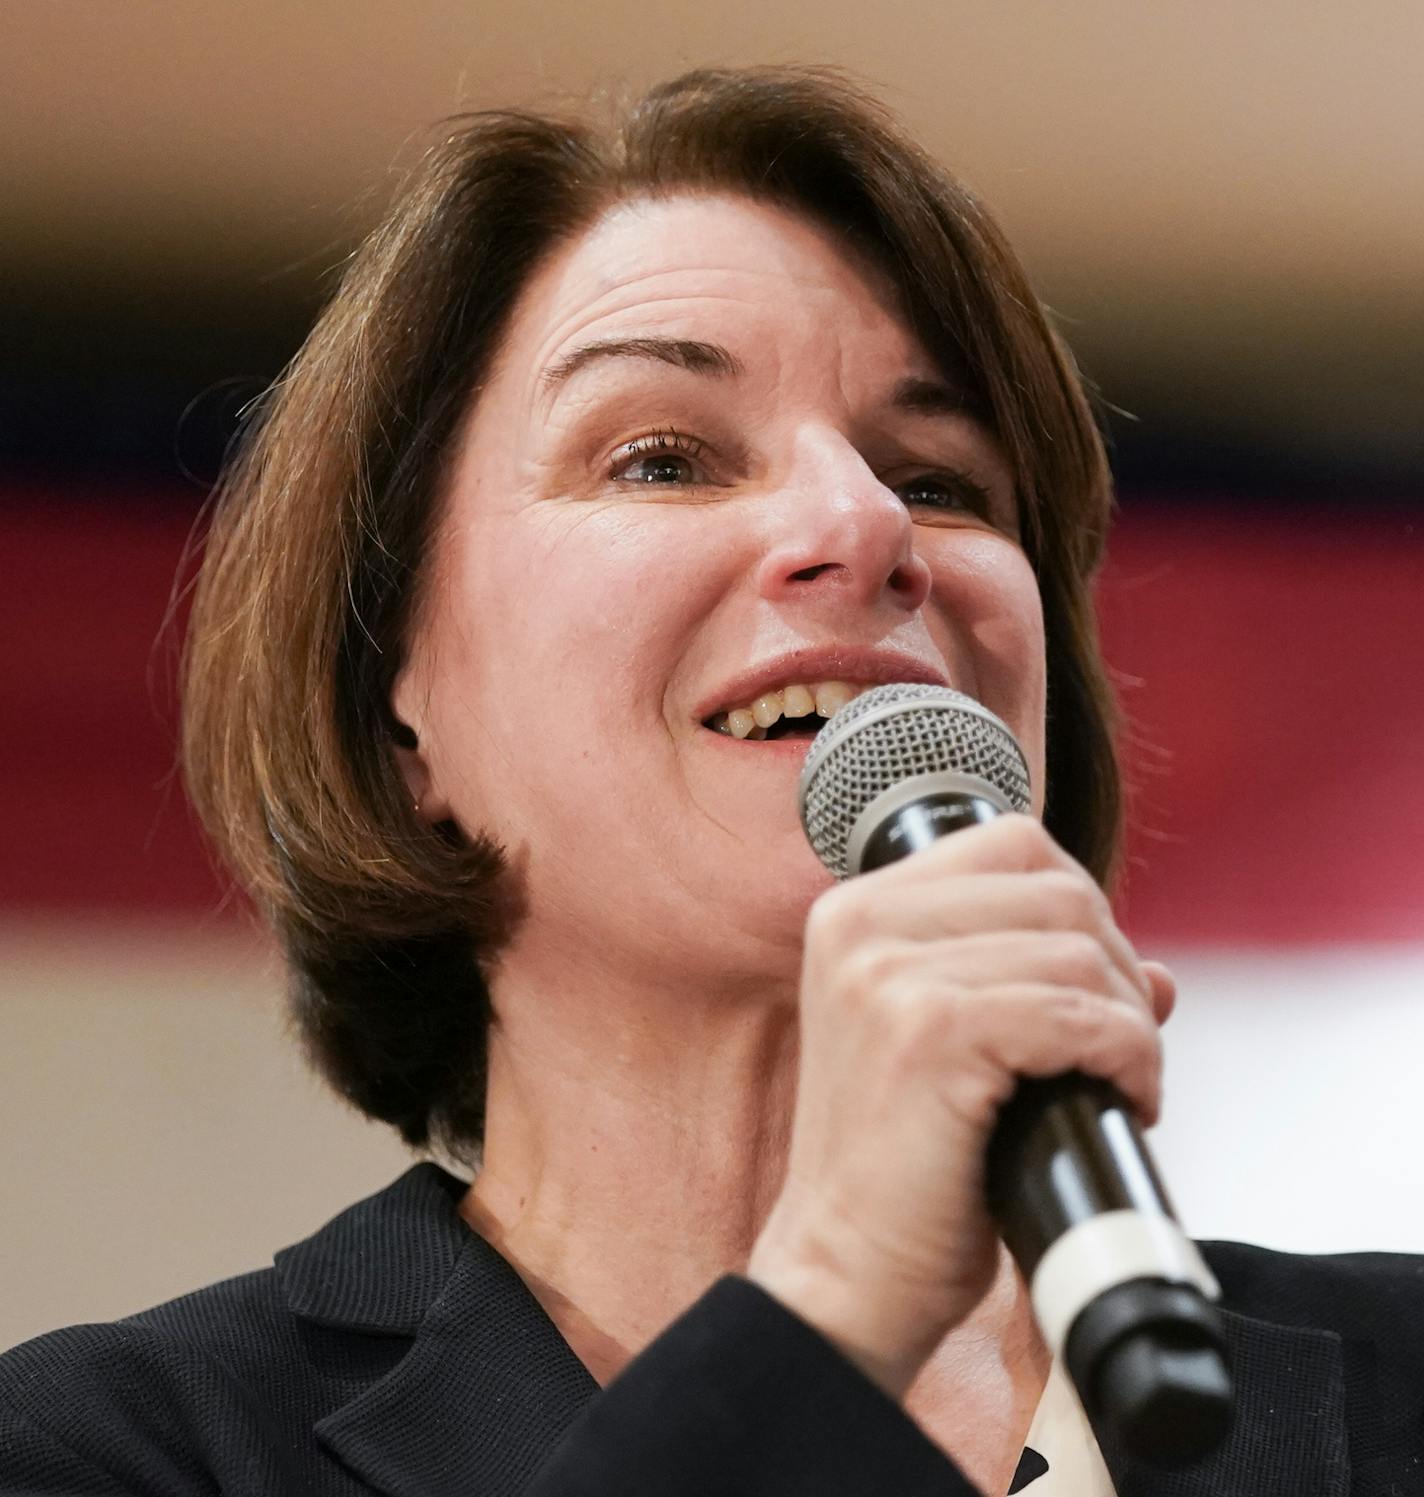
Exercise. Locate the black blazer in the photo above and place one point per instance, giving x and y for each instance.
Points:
(396, 1352)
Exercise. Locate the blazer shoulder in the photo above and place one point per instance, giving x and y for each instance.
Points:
(1377, 1297)
(222, 1325)
(203, 1351)
(174, 1399)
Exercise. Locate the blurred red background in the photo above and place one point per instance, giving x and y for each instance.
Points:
(1268, 661)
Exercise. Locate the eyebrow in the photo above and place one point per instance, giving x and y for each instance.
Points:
(681, 353)
(928, 397)
(918, 396)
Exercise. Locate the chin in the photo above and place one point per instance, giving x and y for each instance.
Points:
(772, 901)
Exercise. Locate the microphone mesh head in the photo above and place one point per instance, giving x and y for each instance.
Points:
(892, 733)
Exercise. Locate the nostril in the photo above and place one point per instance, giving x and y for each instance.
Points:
(808, 574)
(911, 582)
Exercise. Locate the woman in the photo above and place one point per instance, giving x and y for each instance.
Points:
(617, 461)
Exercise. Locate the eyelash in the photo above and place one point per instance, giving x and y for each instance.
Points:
(972, 494)
(655, 444)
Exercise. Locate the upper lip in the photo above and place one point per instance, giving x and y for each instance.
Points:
(854, 665)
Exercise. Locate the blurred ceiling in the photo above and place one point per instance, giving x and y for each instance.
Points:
(1223, 201)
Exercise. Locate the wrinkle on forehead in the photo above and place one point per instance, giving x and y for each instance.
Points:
(591, 280)
(698, 310)
(810, 317)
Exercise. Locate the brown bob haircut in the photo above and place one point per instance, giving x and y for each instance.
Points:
(314, 556)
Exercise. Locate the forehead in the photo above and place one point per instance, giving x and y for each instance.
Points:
(670, 264)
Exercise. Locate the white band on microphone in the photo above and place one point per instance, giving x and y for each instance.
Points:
(1104, 1251)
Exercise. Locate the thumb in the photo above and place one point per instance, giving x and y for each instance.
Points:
(1164, 990)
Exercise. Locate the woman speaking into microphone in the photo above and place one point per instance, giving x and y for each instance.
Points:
(620, 460)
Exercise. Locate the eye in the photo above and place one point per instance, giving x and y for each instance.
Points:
(662, 459)
(945, 491)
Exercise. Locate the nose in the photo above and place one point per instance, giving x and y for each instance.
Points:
(844, 537)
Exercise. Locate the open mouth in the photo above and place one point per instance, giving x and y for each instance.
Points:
(799, 710)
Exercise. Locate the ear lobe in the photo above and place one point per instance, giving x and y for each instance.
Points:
(416, 775)
(412, 757)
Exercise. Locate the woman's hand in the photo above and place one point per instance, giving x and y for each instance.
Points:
(928, 988)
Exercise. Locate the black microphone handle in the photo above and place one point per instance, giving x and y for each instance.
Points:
(1072, 1186)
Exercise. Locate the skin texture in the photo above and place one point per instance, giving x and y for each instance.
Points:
(587, 605)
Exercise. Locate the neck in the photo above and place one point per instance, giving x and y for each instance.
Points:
(635, 1142)
(977, 1394)
(632, 1138)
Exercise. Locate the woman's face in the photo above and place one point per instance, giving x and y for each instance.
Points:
(710, 463)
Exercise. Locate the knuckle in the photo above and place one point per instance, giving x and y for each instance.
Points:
(1082, 1014)
(1144, 1074)
(1074, 900)
(1081, 960)
(1024, 836)
(1140, 1043)
(873, 968)
(1106, 1037)
(934, 1019)
(1136, 1028)
(1149, 1036)
(1128, 1027)
(836, 916)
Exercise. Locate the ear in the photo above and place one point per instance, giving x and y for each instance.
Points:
(411, 745)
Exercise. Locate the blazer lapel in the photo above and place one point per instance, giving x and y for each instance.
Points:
(1289, 1437)
(488, 1384)
(478, 1402)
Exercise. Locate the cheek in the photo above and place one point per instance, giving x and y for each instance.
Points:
(549, 587)
(561, 629)
(987, 600)
(609, 598)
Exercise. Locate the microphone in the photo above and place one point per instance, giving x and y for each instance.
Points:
(1118, 1289)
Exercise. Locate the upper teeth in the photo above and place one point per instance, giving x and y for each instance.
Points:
(797, 700)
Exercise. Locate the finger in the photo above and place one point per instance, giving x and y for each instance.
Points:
(1053, 958)
(988, 1039)
(1164, 990)
(935, 908)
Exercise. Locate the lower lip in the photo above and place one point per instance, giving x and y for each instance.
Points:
(777, 748)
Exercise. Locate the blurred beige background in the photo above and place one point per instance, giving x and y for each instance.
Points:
(158, 1130)
(1221, 198)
